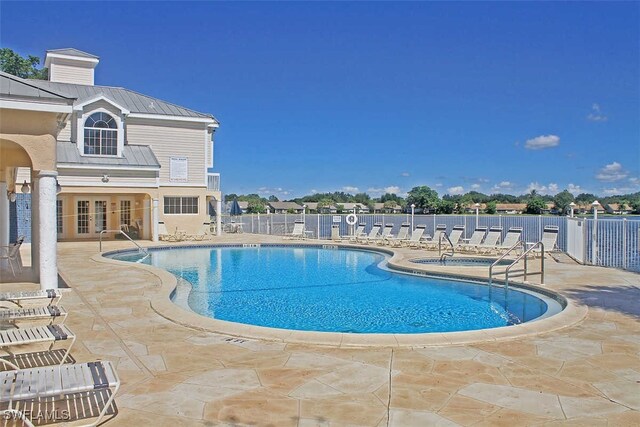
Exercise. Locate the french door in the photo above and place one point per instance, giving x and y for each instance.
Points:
(91, 216)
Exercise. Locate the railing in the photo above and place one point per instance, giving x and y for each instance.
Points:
(525, 271)
(213, 181)
(446, 254)
(140, 248)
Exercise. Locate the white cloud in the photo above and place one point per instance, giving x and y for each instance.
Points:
(350, 189)
(405, 174)
(635, 181)
(542, 141)
(551, 188)
(502, 186)
(392, 189)
(475, 186)
(596, 114)
(438, 185)
(314, 191)
(612, 172)
(273, 191)
(574, 189)
(455, 190)
(614, 191)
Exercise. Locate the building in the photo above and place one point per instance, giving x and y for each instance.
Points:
(313, 208)
(126, 160)
(510, 208)
(381, 208)
(618, 208)
(285, 207)
(358, 207)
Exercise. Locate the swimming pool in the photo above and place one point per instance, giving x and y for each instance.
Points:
(461, 261)
(334, 290)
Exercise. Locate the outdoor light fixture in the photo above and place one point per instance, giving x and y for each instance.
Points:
(105, 178)
(24, 188)
(58, 187)
(11, 195)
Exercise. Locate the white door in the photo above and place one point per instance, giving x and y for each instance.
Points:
(91, 216)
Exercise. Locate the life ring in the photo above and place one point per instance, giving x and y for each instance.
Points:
(351, 219)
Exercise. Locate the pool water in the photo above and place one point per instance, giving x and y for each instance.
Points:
(337, 290)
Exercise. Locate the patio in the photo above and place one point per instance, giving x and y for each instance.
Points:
(585, 374)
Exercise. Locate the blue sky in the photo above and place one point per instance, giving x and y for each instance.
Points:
(375, 97)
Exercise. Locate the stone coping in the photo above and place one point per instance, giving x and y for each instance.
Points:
(161, 303)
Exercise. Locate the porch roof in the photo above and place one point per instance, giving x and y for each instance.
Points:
(132, 156)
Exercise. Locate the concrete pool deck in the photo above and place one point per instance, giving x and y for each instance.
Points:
(582, 372)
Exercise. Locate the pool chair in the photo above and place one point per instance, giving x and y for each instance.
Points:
(386, 233)
(514, 235)
(456, 234)
(432, 244)
(474, 241)
(18, 298)
(164, 235)
(490, 243)
(549, 239)
(202, 234)
(373, 234)
(81, 391)
(298, 231)
(14, 341)
(403, 235)
(416, 236)
(49, 314)
(359, 233)
(11, 253)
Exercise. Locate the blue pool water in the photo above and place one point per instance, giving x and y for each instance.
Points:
(337, 290)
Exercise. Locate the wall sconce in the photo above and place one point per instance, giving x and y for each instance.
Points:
(11, 195)
(105, 178)
(58, 187)
(24, 188)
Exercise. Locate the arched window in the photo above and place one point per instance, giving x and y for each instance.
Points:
(101, 135)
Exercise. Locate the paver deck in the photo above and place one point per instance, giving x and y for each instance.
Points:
(584, 374)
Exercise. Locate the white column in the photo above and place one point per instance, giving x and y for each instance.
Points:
(154, 215)
(46, 190)
(35, 227)
(218, 217)
(4, 215)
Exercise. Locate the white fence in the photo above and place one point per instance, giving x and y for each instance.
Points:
(617, 241)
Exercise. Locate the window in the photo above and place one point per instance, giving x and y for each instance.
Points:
(59, 217)
(125, 212)
(101, 135)
(181, 205)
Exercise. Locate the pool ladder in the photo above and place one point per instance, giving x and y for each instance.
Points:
(140, 248)
(452, 251)
(509, 273)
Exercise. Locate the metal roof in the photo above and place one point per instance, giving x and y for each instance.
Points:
(133, 101)
(72, 52)
(132, 156)
(15, 87)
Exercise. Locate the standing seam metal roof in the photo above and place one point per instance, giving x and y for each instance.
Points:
(132, 155)
(20, 88)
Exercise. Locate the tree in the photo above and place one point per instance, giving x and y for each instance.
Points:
(562, 201)
(273, 198)
(255, 206)
(535, 206)
(585, 198)
(446, 207)
(392, 197)
(424, 198)
(491, 207)
(12, 63)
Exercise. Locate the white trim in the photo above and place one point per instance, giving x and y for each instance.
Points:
(80, 134)
(125, 184)
(100, 97)
(35, 106)
(107, 167)
(174, 118)
(50, 55)
(181, 184)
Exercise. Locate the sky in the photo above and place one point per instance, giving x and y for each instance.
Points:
(378, 97)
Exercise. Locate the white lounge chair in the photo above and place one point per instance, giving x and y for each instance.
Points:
(514, 235)
(359, 233)
(297, 232)
(11, 253)
(386, 233)
(202, 234)
(549, 239)
(373, 233)
(49, 313)
(33, 392)
(18, 298)
(435, 239)
(164, 235)
(490, 243)
(403, 235)
(474, 241)
(416, 236)
(12, 341)
(456, 234)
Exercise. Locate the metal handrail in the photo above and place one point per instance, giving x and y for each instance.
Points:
(140, 248)
(515, 261)
(446, 254)
(517, 244)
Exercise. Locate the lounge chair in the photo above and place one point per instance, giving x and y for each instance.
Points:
(18, 298)
(416, 236)
(456, 234)
(490, 243)
(202, 234)
(359, 233)
(435, 239)
(474, 241)
(48, 313)
(13, 340)
(549, 239)
(164, 235)
(373, 233)
(11, 253)
(514, 235)
(86, 390)
(386, 233)
(403, 235)
(298, 231)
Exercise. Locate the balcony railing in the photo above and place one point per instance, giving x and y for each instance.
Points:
(213, 181)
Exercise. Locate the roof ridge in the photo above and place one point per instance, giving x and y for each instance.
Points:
(170, 103)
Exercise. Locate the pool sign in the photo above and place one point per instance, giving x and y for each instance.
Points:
(337, 218)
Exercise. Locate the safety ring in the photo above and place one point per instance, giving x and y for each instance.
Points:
(352, 219)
